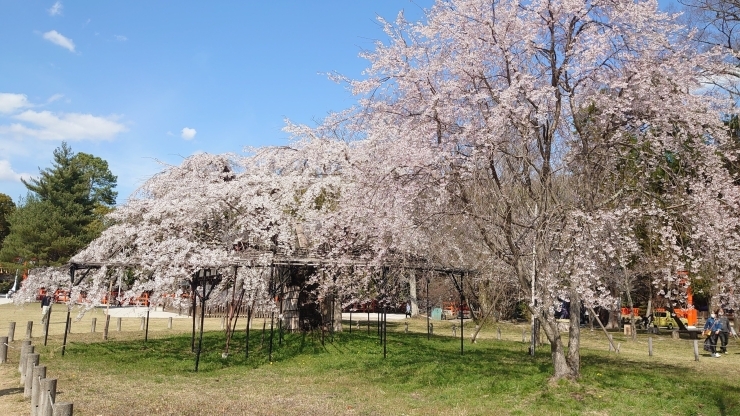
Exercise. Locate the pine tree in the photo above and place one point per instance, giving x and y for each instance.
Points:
(64, 209)
(6, 208)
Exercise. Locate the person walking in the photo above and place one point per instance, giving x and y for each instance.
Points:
(713, 326)
(45, 305)
(724, 331)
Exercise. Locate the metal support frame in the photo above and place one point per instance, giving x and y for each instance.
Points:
(459, 286)
(204, 279)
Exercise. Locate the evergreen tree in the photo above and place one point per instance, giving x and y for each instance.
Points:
(64, 210)
(6, 208)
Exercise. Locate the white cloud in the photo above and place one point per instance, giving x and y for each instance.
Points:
(54, 98)
(11, 102)
(46, 125)
(58, 39)
(121, 38)
(8, 175)
(56, 9)
(188, 133)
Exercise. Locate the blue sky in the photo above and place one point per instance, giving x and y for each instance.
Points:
(134, 82)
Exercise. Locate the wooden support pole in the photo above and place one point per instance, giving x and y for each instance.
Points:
(48, 395)
(3, 350)
(46, 325)
(498, 333)
(650, 346)
(67, 329)
(696, 350)
(202, 318)
(107, 325)
(93, 324)
(29, 330)
(11, 331)
(611, 343)
(63, 409)
(24, 361)
(142, 323)
(146, 330)
(272, 324)
(31, 362)
(39, 372)
(169, 323)
(118, 324)
(24, 351)
(246, 342)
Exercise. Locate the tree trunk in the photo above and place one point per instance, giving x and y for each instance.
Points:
(561, 366)
(632, 314)
(574, 336)
(479, 323)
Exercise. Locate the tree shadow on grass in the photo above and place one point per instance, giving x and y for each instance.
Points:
(11, 391)
(666, 382)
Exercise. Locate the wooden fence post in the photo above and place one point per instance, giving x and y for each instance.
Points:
(11, 331)
(118, 324)
(93, 324)
(696, 350)
(169, 323)
(650, 346)
(29, 330)
(107, 325)
(25, 350)
(31, 362)
(39, 372)
(143, 322)
(3, 350)
(498, 333)
(63, 409)
(48, 395)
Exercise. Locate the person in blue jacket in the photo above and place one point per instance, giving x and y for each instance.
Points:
(714, 326)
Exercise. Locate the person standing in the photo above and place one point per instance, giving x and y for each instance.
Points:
(713, 326)
(724, 331)
(408, 309)
(45, 304)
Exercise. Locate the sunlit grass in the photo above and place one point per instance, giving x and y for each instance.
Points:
(348, 374)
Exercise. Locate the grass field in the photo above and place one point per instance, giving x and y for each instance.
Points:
(349, 376)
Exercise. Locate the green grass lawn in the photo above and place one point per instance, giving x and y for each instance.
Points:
(349, 375)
